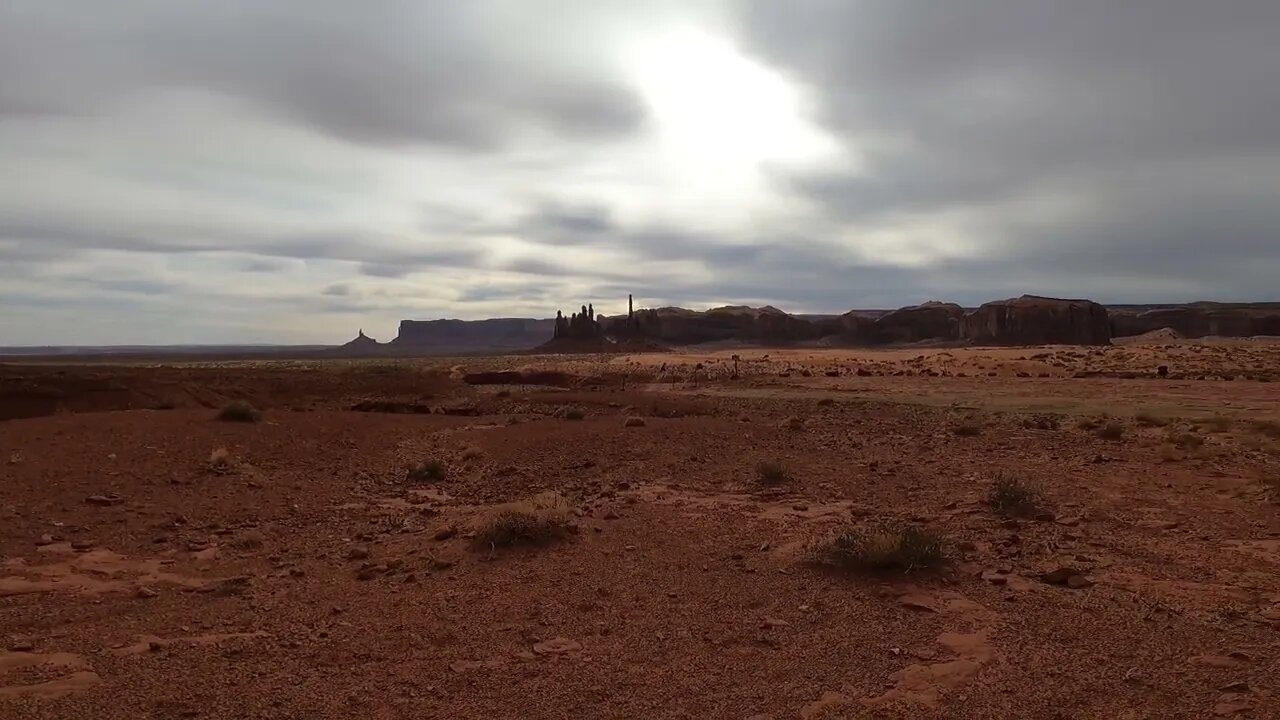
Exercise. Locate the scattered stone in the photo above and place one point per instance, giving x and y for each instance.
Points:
(145, 592)
(21, 646)
(1239, 686)
(634, 421)
(1063, 576)
(1158, 524)
(556, 646)
(445, 533)
(1071, 521)
(81, 544)
(1216, 661)
(792, 423)
(770, 622)
(46, 539)
(358, 552)
(1077, 582)
(1044, 516)
(102, 500)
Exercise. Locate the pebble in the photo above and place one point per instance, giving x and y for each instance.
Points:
(145, 592)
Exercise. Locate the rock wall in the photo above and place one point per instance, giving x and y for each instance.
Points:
(494, 334)
(1199, 320)
(936, 321)
(1034, 320)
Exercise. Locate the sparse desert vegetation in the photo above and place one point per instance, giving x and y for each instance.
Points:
(239, 411)
(882, 548)
(417, 531)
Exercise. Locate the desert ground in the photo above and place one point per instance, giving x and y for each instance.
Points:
(1051, 532)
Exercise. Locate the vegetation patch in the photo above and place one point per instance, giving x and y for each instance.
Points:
(886, 548)
(1010, 497)
(538, 521)
(430, 471)
(771, 474)
(239, 411)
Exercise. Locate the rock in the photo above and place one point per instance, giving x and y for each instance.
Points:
(145, 592)
(367, 573)
(1035, 320)
(445, 533)
(1077, 582)
(102, 500)
(1059, 576)
(634, 421)
(556, 646)
(770, 622)
(792, 423)
(916, 601)
(1239, 686)
(46, 539)
(1158, 524)
(1044, 516)
(21, 646)
(1216, 661)
(82, 544)
(1071, 521)
(358, 552)
(1232, 704)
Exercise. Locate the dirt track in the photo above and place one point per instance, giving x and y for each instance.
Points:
(305, 577)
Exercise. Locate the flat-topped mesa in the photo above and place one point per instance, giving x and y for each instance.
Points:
(1035, 320)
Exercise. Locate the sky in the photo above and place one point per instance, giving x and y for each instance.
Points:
(182, 171)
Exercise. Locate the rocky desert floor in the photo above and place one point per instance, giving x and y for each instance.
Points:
(643, 536)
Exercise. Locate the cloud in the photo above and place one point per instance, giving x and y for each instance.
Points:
(295, 170)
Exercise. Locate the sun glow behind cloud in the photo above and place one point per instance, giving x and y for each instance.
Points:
(721, 117)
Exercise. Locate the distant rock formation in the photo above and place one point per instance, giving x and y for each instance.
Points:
(362, 342)
(498, 334)
(1034, 320)
(578, 326)
(1199, 319)
(934, 321)
(677, 326)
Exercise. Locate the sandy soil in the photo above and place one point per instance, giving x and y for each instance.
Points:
(158, 563)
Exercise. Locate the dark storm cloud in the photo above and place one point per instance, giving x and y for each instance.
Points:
(385, 71)
(1155, 121)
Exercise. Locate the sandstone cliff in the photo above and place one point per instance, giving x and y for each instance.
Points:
(1034, 320)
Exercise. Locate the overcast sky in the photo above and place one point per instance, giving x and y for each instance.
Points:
(177, 171)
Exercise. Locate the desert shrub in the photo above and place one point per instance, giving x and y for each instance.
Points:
(1269, 428)
(427, 472)
(1090, 423)
(1011, 497)
(1185, 440)
(239, 411)
(472, 452)
(220, 461)
(771, 474)
(883, 548)
(1214, 423)
(1042, 422)
(1146, 419)
(967, 429)
(539, 521)
(574, 414)
(1111, 431)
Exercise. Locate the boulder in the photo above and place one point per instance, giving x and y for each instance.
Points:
(1034, 320)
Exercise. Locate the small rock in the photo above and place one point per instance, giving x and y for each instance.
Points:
(770, 622)
(145, 592)
(1070, 521)
(634, 421)
(102, 500)
(792, 423)
(1077, 582)
(1044, 516)
(556, 646)
(445, 533)
(1059, 576)
(21, 646)
(81, 544)
(359, 552)
(1238, 686)
(367, 573)
(46, 539)
(610, 514)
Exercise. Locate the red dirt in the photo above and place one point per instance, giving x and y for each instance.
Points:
(305, 577)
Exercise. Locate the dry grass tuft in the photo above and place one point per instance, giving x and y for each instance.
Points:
(771, 474)
(428, 472)
(1042, 422)
(220, 462)
(1011, 497)
(883, 549)
(1269, 428)
(539, 521)
(1146, 419)
(239, 411)
(1111, 431)
(471, 452)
